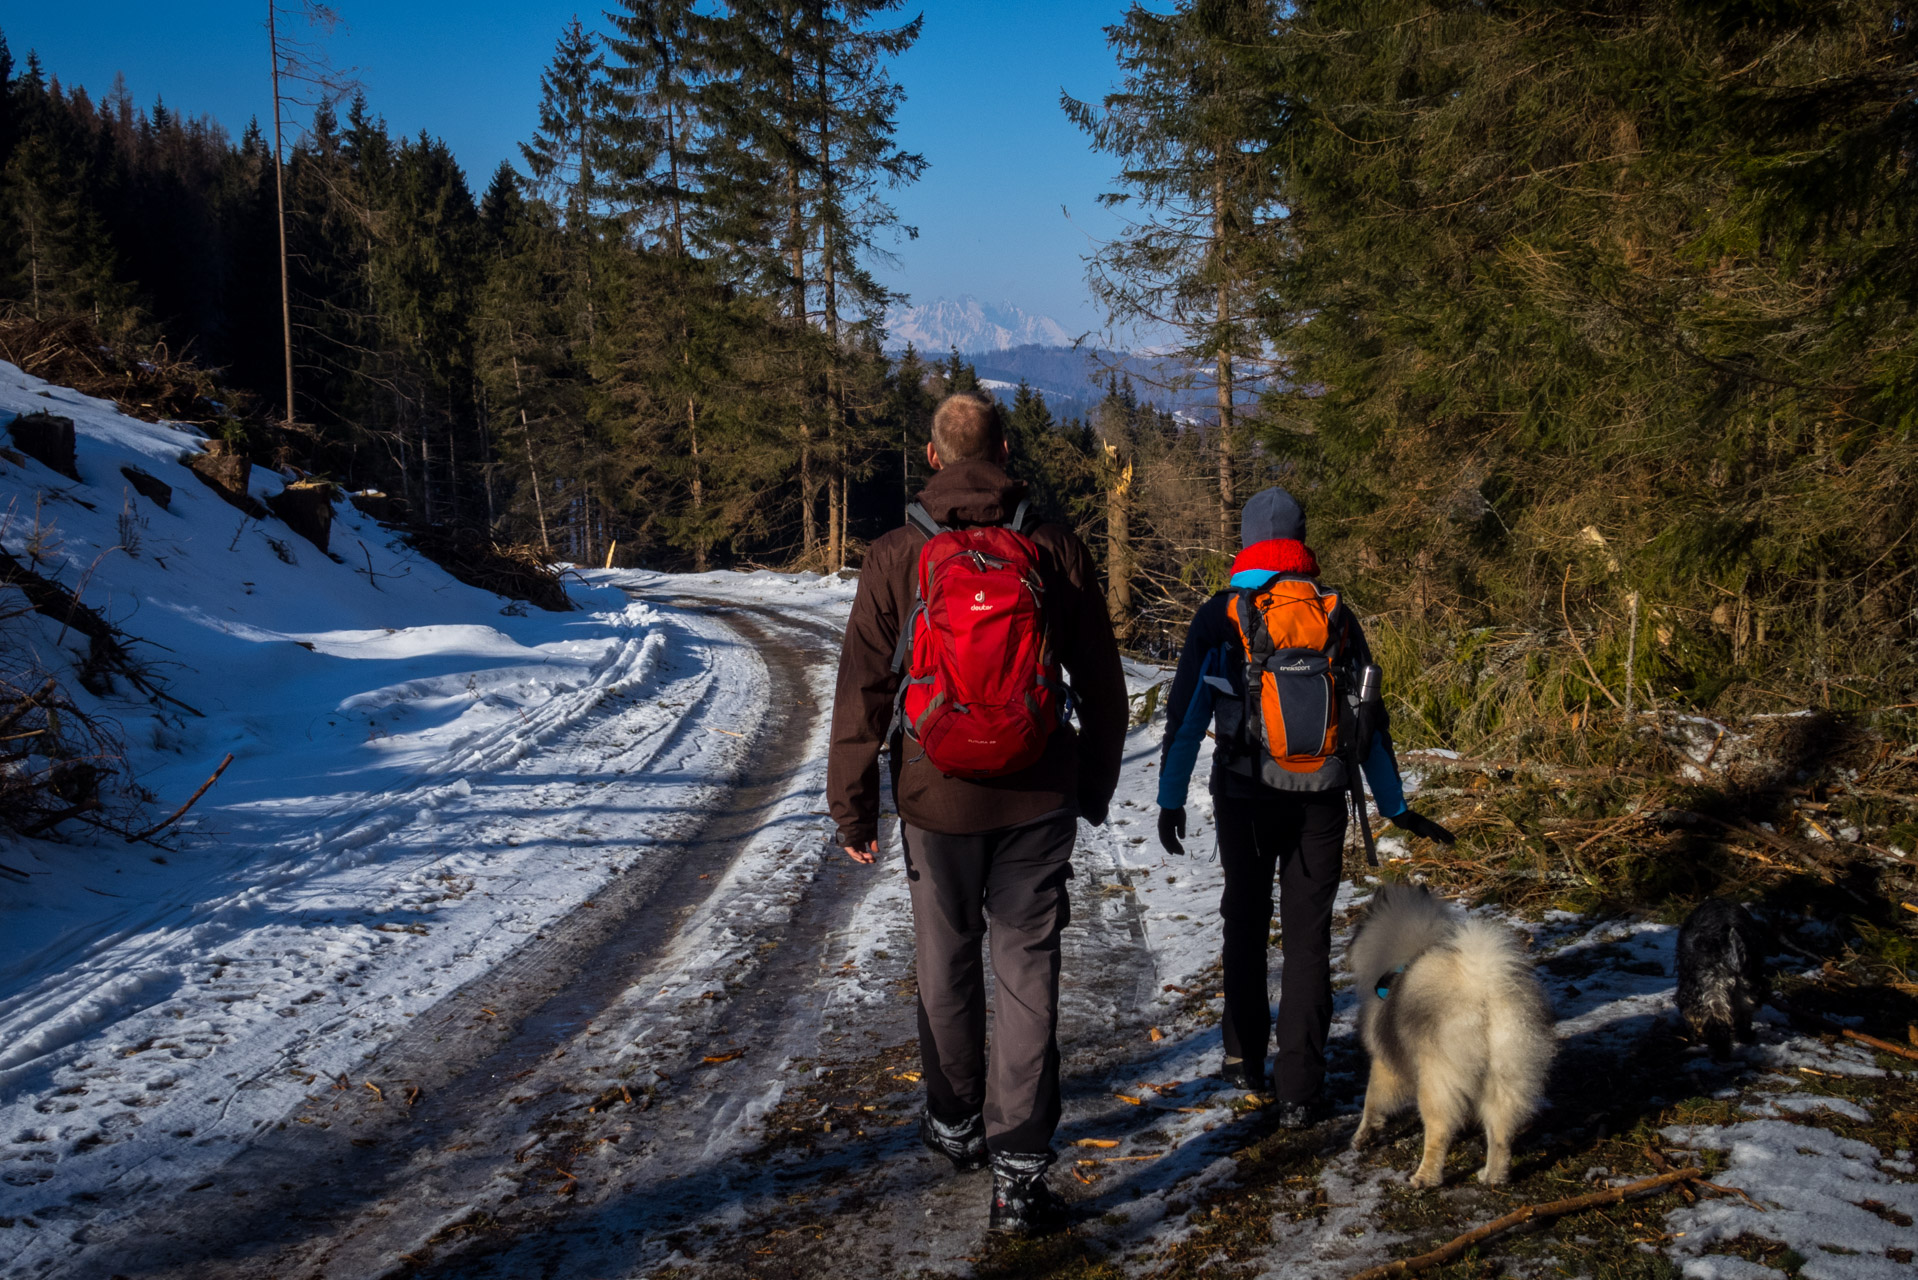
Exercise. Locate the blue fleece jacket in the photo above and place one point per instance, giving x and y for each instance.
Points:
(1209, 666)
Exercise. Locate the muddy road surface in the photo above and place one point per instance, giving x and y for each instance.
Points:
(708, 1069)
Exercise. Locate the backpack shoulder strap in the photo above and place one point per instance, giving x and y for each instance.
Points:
(1018, 522)
(921, 519)
(917, 517)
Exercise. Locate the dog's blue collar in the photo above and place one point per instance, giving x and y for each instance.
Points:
(1383, 987)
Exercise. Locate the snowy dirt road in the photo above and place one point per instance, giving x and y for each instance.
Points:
(714, 1050)
(481, 1101)
(708, 1068)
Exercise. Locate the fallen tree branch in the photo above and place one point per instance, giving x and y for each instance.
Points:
(1572, 635)
(1660, 1163)
(1883, 1046)
(50, 821)
(181, 811)
(1537, 769)
(35, 701)
(1528, 1213)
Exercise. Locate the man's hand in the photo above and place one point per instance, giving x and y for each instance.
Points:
(1171, 827)
(1420, 825)
(863, 856)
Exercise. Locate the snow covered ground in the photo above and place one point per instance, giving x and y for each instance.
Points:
(425, 776)
(431, 786)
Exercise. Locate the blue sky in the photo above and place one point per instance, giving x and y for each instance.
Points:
(982, 107)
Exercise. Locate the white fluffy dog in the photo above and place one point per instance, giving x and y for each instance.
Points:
(1453, 1017)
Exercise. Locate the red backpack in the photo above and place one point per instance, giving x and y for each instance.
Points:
(981, 691)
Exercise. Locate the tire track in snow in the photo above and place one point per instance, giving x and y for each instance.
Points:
(265, 1157)
(490, 1060)
(893, 1208)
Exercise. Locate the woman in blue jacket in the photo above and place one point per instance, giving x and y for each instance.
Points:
(1293, 832)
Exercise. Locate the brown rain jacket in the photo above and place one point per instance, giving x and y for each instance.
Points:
(1078, 771)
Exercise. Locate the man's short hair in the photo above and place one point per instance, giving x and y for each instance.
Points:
(967, 426)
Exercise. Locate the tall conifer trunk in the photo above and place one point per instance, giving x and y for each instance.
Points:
(1222, 363)
(835, 405)
(796, 252)
(1119, 541)
(699, 490)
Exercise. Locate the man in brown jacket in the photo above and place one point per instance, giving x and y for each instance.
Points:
(993, 850)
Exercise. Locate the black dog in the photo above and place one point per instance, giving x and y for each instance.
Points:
(1721, 973)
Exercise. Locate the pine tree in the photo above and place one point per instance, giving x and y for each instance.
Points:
(1051, 457)
(854, 107)
(570, 162)
(8, 130)
(62, 257)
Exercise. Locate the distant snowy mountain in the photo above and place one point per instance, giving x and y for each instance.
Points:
(971, 326)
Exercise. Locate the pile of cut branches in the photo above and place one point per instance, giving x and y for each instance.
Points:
(1813, 814)
(59, 763)
(516, 572)
(149, 382)
(55, 761)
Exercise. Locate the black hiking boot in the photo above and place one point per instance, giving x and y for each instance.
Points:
(1022, 1203)
(1301, 1115)
(964, 1143)
(1242, 1075)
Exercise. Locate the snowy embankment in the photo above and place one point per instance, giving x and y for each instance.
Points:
(424, 776)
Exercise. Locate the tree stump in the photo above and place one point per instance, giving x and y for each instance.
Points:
(227, 474)
(383, 507)
(307, 508)
(49, 438)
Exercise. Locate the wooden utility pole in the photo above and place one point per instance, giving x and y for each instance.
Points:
(279, 191)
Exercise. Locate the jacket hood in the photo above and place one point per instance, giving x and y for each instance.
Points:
(972, 492)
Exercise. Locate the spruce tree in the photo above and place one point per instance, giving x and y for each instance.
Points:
(802, 114)
(652, 94)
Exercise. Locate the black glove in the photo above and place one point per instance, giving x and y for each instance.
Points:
(1420, 825)
(1171, 827)
(1092, 811)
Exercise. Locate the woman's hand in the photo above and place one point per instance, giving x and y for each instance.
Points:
(1171, 827)
(1420, 825)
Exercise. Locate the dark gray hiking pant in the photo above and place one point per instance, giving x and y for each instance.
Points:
(1299, 840)
(1014, 880)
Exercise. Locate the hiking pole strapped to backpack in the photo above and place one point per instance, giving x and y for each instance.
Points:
(1362, 693)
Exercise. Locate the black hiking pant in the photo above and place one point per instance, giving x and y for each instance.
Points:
(1015, 882)
(1299, 839)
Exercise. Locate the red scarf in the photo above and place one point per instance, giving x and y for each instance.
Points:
(1279, 555)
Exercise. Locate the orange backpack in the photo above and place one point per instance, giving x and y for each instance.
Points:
(1294, 661)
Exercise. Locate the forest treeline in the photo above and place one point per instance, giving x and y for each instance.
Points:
(1593, 324)
(1586, 332)
(651, 338)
